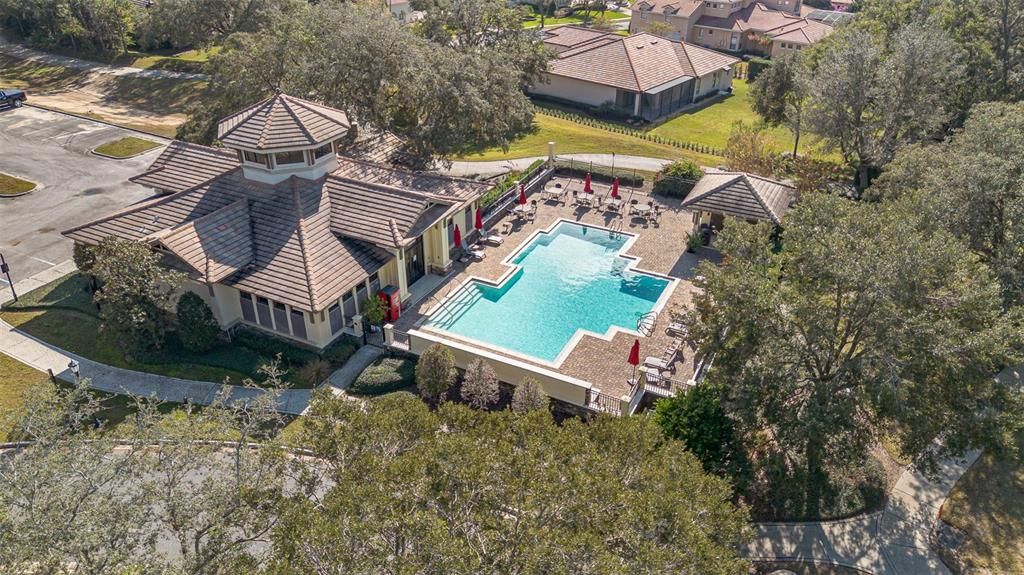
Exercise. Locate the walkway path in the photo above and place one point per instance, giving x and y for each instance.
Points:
(44, 356)
(496, 167)
(23, 53)
(893, 541)
(344, 377)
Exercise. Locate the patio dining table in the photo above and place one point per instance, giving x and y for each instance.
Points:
(642, 209)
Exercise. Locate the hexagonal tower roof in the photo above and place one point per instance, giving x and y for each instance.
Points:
(282, 122)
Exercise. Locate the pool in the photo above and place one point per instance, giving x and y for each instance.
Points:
(566, 281)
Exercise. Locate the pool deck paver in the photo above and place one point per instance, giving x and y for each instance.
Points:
(660, 247)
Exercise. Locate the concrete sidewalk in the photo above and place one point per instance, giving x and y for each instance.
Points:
(44, 356)
(894, 541)
(23, 53)
(39, 280)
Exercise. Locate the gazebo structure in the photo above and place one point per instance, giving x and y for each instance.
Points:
(738, 194)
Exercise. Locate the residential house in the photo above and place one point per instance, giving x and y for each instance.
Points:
(296, 221)
(763, 27)
(640, 75)
(738, 194)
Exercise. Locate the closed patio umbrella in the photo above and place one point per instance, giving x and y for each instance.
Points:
(634, 356)
(458, 236)
(586, 184)
(522, 195)
(479, 224)
(615, 188)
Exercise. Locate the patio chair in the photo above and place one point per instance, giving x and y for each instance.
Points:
(659, 364)
(677, 328)
(672, 351)
(632, 206)
(493, 240)
(471, 255)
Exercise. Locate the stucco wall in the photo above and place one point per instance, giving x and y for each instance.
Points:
(554, 384)
(708, 86)
(680, 25)
(574, 90)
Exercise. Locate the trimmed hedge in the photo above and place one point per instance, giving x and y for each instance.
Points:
(755, 66)
(385, 375)
(292, 356)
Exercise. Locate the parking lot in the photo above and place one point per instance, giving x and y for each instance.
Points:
(74, 186)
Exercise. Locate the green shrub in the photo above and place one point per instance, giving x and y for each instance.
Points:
(677, 179)
(198, 330)
(340, 351)
(755, 67)
(509, 181)
(385, 375)
(435, 372)
(292, 356)
(315, 372)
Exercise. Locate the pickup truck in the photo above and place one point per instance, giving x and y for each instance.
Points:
(12, 98)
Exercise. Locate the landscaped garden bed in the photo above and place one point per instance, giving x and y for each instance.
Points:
(62, 313)
(386, 375)
(11, 186)
(126, 147)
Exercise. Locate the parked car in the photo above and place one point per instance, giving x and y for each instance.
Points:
(12, 98)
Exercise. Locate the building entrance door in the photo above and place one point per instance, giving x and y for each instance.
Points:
(415, 266)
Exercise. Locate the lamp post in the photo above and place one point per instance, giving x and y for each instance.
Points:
(6, 269)
(75, 369)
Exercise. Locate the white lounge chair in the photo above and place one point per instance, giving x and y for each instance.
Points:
(658, 363)
(469, 254)
(677, 328)
(492, 240)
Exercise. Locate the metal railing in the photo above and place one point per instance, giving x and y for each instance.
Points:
(604, 403)
(532, 181)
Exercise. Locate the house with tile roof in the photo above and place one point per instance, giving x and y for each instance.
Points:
(641, 75)
(740, 195)
(761, 27)
(291, 226)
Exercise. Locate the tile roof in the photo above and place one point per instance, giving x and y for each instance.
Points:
(182, 166)
(301, 242)
(754, 18)
(742, 195)
(683, 8)
(639, 63)
(215, 245)
(804, 32)
(282, 122)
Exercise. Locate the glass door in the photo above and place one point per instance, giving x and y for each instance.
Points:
(415, 267)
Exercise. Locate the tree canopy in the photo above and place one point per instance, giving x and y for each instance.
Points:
(866, 321)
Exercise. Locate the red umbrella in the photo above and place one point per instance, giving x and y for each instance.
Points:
(458, 236)
(634, 356)
(522, 195)
(586, 185)
(615, 187)
(479, 220)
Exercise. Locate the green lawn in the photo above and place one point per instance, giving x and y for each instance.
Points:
(711, 125)
(62, 313)
(988, 503)
(571, 137)
(575, 19)
(126, 147)
(10, 186)
(15, 379)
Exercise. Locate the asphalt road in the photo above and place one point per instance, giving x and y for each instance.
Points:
(74, 186)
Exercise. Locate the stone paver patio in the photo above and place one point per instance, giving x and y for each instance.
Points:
(660, 247)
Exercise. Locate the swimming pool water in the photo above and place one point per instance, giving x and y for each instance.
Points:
(571, 278)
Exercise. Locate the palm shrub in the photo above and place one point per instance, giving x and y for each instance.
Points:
(480, 385)
(528, 396)
(198, 330)
(435, 372)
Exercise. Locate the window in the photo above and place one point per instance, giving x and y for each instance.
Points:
(254, 158)
(711, 32)
(284, 158)
(323, 150)
(374, 283)
(263, 310)
(248, 311)
(334, 313)
(280, 318)
(298, 324)
(643, 15)
(361, 295)
(348, 305)
(700, 32)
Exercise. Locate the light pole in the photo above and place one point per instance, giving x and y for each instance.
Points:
(75, 369)
(6, 269)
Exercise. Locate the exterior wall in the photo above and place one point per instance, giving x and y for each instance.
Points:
(574, 90)
(792, 6)
(780, 48)
(389, 276)
(436, 247)
(712, 83)
(553, 384)
(640, 21)
(718, 39)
